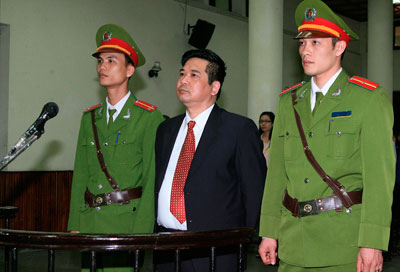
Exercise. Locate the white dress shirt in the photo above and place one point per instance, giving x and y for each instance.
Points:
(324, 89)
(117, 106)
(164, 215)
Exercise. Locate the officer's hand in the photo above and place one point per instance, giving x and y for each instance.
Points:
(267, 250)
(74, 231)
(369, 260)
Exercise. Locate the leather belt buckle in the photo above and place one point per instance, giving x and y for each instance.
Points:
(99, 200)
(308, 208)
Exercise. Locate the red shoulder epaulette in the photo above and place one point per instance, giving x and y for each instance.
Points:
(144, 105)
(92, 108)
(294, 87)
(363, 83)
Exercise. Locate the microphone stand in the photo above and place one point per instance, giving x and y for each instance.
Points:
(20, 147)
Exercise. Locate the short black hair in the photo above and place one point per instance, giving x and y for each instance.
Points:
(128, 60)
(216, 69)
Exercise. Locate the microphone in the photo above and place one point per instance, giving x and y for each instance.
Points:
(49, 111)
(32, 134)
(37, 128)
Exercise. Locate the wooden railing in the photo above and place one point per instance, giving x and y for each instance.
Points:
(43, 200)
(176, 241)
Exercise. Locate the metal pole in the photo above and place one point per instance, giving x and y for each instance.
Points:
(177, 260)
(240, 264)
(212, 261)
(14, 263)
(50, 264)
(137, 260)
(92, 261)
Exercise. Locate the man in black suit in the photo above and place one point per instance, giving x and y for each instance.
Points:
(210, 169)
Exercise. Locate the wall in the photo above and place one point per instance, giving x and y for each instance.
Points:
(4, 64)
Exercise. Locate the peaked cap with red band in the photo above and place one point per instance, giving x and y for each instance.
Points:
(111, 38)
(316, 20)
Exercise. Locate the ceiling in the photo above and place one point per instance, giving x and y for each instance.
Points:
(356, 9)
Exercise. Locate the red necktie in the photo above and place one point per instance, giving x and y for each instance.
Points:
(181, 171)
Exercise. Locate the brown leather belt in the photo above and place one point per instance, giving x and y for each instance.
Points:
(319, 205)
(120, 197)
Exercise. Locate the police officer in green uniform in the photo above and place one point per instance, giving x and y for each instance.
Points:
(337, 219)
(119, 199)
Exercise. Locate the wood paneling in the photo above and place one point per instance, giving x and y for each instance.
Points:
(42, 199)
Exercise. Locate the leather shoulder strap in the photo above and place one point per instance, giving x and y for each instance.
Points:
(338, 189)
(103, 166)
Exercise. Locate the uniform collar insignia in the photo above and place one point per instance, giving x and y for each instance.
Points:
(128, 114)
(107, 36)
(339, 91)
(309, 14)
(301, 96)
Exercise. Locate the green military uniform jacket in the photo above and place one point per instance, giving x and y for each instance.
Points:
(128, 150)
(356, 149)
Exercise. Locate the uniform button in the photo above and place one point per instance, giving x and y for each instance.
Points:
(134, 209)
(310, 134)
(92, 143)
(98, 208)
(190, 221)
(105, 144)
(124, 142)
(306, 180)
(287, 133)
(99, 186)
(338, 132)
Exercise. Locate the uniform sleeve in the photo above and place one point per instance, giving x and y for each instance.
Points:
(378, 164)
(79, 181)
(146, 209)
(276, 180)
(251, 167)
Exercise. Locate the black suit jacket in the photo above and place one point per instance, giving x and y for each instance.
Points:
(226, 179)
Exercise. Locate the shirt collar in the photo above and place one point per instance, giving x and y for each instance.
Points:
(326, 87)
(120, 103)
(200, 119)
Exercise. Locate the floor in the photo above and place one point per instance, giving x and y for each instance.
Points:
(36, 261)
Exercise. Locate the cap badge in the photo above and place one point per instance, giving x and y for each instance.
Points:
(107, 36)
(310, 14)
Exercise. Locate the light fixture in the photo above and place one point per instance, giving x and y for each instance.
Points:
(155, 69)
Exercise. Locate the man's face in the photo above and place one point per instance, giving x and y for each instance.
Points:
(112, 69)
(192, 87)
(319, 56)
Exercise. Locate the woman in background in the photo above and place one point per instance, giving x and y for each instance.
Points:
(266, 123)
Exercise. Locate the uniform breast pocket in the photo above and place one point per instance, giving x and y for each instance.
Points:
(127, 151)
(292, 146)
(343, 138)
(88, 147)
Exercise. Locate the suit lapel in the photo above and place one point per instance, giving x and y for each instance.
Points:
(208, 138)
(332, 98)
